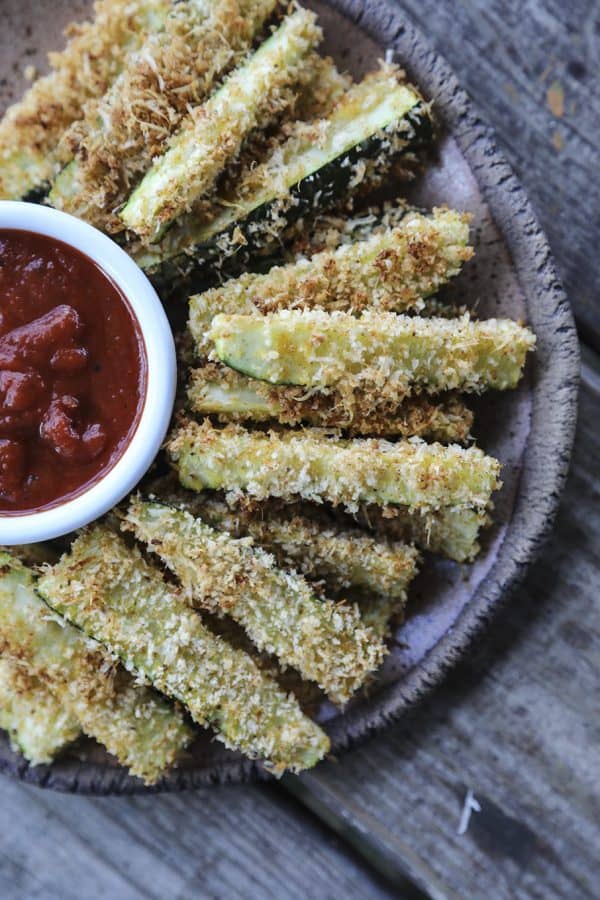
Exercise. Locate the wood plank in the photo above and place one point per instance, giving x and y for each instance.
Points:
(229, 842)
(531, 67)
(517, 725)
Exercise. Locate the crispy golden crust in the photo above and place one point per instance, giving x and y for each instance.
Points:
(343, 557)
(267, 183)
(385, 353)
(31, 129)
(140, 728)
(37, 723)
(391, 270)
(213, 134)
(314, 466)
(109, 591)
(217, 390)
(120, 134)
(326, 642)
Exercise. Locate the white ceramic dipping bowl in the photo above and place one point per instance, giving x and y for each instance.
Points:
(161, 376)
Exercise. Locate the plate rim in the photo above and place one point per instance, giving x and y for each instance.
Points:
(556, 376)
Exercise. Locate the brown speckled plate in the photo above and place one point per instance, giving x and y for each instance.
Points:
(529, 430)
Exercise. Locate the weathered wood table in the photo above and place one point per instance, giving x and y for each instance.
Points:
(513, 734)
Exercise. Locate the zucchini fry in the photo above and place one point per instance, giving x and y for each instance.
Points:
(110, 592)
(319, 164)
(344, 558)
(452, 532)
(383, 350)
(325, 641)
(115, 143)
(38, 725)
(310, 465)
(214, 133)
(31, 129)
(218, 390)
(391, 271)
(140, 728)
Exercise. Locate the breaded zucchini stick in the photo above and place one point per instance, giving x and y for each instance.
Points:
(344, 558)
(218, 390)
(110, 592)
(37, 723)
(325, 641)
(318, 349)
(31, 129)
(140, 728)
(450, 531)
(115, 143)
(213, 134)
(317, 166)
(391, 271)
(311, 465)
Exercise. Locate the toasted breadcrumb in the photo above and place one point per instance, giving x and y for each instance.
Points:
(141, 729)
(388, 353)
(217, 390)
(344, 558)
(264, 200)
(38, 725)
(109, 591)
(31, 129)
(393, 270)
(311, 465)
(326, 642)
(213, 134)
(175, 69)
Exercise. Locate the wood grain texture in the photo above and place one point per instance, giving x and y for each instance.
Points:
(213, 843)
(528, 430)
(532, 68)
(518, 724)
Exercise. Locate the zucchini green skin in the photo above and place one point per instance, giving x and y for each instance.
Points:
(325, 641)
(310, 465)
(213, 135)
(110, 592)
(120, 135)
(392, 270)
(140, 728)
(37, 723)
(31, 129)
(318, 350)
(375, 123)
(218, 390)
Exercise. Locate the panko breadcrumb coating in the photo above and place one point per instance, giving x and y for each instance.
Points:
(389, 271)
(140, 728)
(31, 129)
(120, 134)
(37, 723)
(325, 641)
(390, 353)
(218, 390)
(311, 465)
(265, 199)
(213, 133)
(109, 591)
(343, 557)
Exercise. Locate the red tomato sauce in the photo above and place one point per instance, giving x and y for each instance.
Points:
(72, 372)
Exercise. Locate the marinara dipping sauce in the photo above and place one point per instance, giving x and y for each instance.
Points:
(72, 372)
